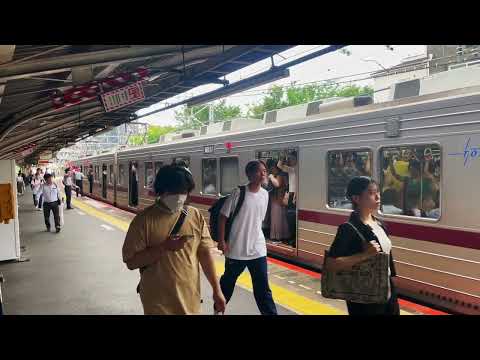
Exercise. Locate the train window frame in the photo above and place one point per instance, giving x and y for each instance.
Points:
(217, 176)
(145, 185)
(111, 174)
(220, 174)
(327, 171)
(408, 217)
(96, 171)
(119, 178)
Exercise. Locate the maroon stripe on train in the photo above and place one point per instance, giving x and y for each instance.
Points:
(202, 200)
(439, 235)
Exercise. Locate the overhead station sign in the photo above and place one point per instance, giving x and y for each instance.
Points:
(122, 97)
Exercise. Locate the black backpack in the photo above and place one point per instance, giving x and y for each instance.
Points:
(215, 214)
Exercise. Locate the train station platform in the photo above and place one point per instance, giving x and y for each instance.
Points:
(80, 271)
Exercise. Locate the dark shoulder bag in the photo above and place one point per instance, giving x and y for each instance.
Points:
(175, 231)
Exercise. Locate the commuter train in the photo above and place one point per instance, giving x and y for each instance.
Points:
(435, 232)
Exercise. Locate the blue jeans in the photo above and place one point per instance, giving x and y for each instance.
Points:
(258, 272)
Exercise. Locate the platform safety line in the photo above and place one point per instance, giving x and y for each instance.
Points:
(284, 297)
(90, 210)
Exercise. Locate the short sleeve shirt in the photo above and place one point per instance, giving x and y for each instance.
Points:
(171, 286)
(246, 240)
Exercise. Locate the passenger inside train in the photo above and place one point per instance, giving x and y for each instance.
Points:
(280, 225)
(413, 173)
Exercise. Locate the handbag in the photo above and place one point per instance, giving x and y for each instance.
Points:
(175, 231)
(366, 283)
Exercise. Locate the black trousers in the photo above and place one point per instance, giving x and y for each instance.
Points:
(259, 274)
(79, 188)
(68, 193)
(390, 308)
(56, 214)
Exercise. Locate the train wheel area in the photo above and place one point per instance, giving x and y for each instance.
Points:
(79, 271)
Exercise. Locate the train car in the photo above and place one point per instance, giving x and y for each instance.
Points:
(423, 151)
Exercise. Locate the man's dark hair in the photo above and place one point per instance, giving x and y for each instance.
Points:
(253, 166)
(173, 179)
(47, 176)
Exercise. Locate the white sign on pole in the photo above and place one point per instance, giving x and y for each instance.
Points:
(122, 97)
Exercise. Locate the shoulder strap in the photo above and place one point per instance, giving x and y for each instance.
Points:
(358, 232)
(240, 202)
(180, 221)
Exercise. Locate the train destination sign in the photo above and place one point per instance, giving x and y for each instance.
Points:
(209, 149)
(122, 97)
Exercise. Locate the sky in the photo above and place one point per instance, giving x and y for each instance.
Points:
(325, 67)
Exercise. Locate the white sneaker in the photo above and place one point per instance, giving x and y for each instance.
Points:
(38, 209)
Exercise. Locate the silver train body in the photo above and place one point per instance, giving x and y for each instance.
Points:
(437, 260)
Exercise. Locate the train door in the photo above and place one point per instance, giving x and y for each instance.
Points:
(104, 181)
(280, 226)
(90, 179)
(133, 183)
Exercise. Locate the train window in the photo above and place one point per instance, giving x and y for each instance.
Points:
(158, 165)
(228, 175)
(121, 174)
(342, 167)
(111, 175)
(209, 176)
(149, 175)
(410, 180)
(182, 161)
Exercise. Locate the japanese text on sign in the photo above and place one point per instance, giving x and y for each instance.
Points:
(119, 98)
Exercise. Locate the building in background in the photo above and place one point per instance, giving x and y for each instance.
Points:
(435, 60)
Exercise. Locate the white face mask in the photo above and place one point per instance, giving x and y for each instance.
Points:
(174, 202)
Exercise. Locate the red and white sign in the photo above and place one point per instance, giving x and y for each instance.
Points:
(87, 92)
(127, 95)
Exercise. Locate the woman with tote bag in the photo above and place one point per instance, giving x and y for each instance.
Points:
(360, 239)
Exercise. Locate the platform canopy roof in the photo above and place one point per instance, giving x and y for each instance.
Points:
(51, 95)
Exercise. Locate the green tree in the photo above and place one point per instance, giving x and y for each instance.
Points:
(153, 135)
(154, 132)
(196, 116)
(279, 97)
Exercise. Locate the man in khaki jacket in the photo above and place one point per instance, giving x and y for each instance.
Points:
(170, 275)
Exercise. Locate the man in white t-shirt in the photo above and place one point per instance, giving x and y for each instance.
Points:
(246, 246)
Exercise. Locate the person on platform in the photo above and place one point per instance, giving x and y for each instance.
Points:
(246, 246)
(51, 202)
(348, 248)
(68, 183)
(170, 263)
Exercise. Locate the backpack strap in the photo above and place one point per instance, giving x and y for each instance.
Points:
(175, 230)
(241, 199)
(180, 221)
